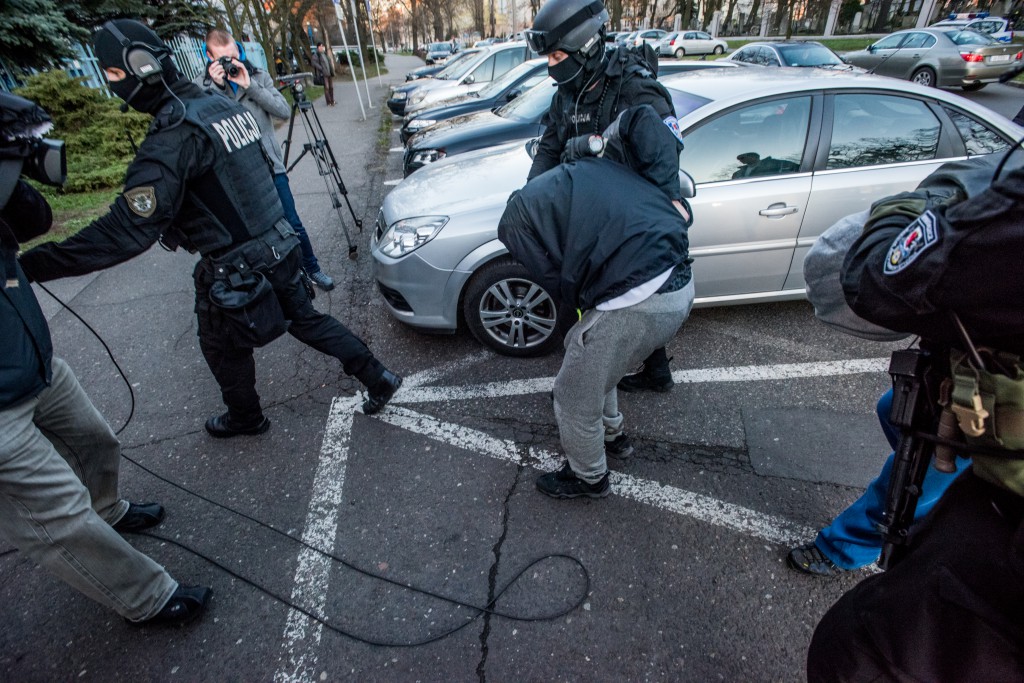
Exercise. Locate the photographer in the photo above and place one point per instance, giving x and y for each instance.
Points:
(200, 180)
(254, 89)
(594, 87)
(948, 269)
(59, 460)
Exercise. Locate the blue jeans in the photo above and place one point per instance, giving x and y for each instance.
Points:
(58, 499)
(852, 540)
(284, 191)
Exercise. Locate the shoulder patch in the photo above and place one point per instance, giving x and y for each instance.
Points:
(673, 125)
(141, 200)
(911, 243)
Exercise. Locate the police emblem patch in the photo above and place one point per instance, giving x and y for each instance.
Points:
(915, 238)
(141, 200)
(673, 125)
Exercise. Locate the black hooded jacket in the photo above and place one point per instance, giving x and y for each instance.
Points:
(590, 244)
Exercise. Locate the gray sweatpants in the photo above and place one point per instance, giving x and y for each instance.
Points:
(599, 350)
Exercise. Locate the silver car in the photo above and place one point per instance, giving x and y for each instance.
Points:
(679, 44)
(776, 161)
(939, 57)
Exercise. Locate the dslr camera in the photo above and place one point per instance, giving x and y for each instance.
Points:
(22, 145)
(229, 67)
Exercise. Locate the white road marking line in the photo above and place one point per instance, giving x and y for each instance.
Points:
(312, 574)
(431, 374)
(761, 525)
(738, 374)
(392, 182)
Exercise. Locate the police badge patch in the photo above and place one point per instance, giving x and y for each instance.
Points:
(915, 238)
(673, 125)
(141, 200)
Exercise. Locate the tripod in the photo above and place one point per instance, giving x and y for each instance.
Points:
(317, 145)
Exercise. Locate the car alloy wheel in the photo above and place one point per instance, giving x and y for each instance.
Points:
(924, 76)
(719, 49)
(510, 313)
(680, 53)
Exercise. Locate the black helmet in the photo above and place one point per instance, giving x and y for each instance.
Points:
(567, 25)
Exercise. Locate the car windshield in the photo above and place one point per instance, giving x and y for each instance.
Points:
(531, 105)
(508, 78)
(439, 47)
(970, 38)
(808, 55)
(458, 66)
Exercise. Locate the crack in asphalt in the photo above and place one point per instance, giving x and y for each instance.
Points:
(492, 577)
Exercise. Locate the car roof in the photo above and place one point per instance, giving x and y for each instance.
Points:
(724, 84)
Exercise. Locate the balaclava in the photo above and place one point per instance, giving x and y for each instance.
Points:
(111, 52)
(582, 67)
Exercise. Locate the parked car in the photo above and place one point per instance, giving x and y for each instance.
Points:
(682, 43)
(650, 36)
(425, 71)
(997, 27)
(497, 93)
(829, 143)
(939, 57)
(788, 53)
(438, 52)
(626, 38)
(400, 94)
(519, 119)
(472, 75)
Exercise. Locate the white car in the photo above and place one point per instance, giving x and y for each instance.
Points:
(490, 63)
(997, 27)
(651, 36)
(775, 160)
(682, 43)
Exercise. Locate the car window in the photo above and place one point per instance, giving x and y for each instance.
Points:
(503, 61)
(890, 42)
(458, 69)
(919, 40)
(484, 71)
(684, 102)
(508, 78)
(808, 55)
(702, 36)
(978, 138)
(767, 57)
(872, 129)
(971, 38)
(761, 140)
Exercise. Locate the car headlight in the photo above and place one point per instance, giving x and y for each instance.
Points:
(409, 234)
(428, 156)
(417, 98)
(420, 124)
(401, 95)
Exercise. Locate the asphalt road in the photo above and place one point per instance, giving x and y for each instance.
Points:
(769, 433)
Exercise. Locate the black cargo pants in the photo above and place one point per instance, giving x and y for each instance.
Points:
(233, 365)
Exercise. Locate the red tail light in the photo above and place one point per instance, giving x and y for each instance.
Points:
(673, 42)
(1019, 55)
(972, 57)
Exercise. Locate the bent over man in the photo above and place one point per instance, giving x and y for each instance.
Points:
(200, 180)
(614, 247)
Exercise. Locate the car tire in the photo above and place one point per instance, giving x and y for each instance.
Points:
(680, 53)
(718, 49)
(973, 87)
(924, 76)
(510, 313)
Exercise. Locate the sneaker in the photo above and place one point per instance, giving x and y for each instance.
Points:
(565, 484)
(186, 603)
(648, 379)
(381, 392)
(322, 280)
(619, 447)
(809, 559)
(140, 516)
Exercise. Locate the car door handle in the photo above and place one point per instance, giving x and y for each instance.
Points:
(778, 210)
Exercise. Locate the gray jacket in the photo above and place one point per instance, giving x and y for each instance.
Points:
(263, 100)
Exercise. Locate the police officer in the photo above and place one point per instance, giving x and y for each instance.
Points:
(200, 180)
(951, 609)
(594, 87)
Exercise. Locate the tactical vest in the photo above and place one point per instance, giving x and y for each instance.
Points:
(236, 200)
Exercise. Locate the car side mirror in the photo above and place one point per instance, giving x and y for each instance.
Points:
(512, 94)
(470, 79)
(872, 48)
(687, 188)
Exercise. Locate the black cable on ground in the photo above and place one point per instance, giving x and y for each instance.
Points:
(486, 609)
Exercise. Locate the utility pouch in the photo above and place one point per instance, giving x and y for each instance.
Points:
(250, 310)
(989, 404)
